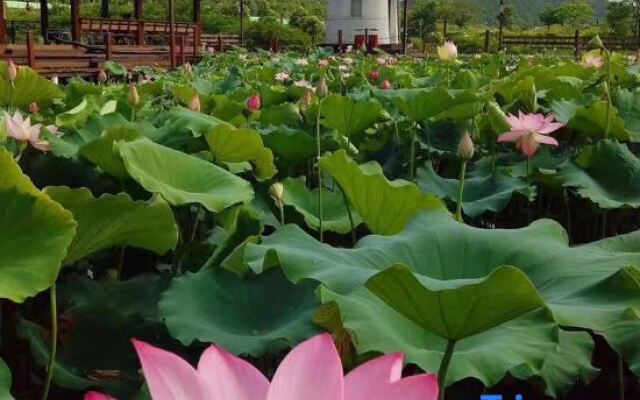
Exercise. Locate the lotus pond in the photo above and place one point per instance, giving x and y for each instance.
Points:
(468, 223)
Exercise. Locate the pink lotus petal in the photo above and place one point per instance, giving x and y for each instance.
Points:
(311, 371)
(418, 387)
(512, 136)
(528, 145)
(97, 396)
(225, 376)
(544, 139)
(514, 122)
(168, 376)
(551, 127)
(366, 381)
(41, 145)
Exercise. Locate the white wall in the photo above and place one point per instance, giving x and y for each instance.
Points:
(375, 15)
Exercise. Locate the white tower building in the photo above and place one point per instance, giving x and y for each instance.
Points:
(353, 16)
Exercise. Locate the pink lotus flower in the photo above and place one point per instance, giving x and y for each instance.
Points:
(21, 130)
(323, 63)
(592, 61)
(381, 61)
(311, 371)
(282, 76)
(448, 51)
(528, 131)
(386, 85)
(305, 84)
(374, 75)
(254, 103)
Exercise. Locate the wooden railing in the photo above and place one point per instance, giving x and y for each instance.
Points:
(131, 31)
(219, 42)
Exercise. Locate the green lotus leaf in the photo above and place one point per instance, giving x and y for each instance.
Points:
(104, 155)
(64, 374)
(481, 193)
(180, 118)
(69, 144)
(606, 173)
(437, 104)
(106, 315)
(586, 287)
(564, 366)
(38, 232)
(29, 87)
(181, 178)
(115, 220)
(245, 226)
(305, 202)
(385, 206)
(89, 106)
(487, 356)
(623, 338)
(234, 145)
(628, 104)
(286, 114)
(5, 381)
(254, 316)
(590, 120)
(457, 309)
(291, 145)
(350, 116)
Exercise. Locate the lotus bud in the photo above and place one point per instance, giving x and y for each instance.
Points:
(277, 192)
(374, 75)
(187, 68)
(466, 149)
(134, 97)
(308, 98)
(448, 51)
(54, 80)
(102, 76)
(12, 70)
(597, 42)
(386, 85)
(254, 103)
(194, 104)
(323, 88)
(33, 108)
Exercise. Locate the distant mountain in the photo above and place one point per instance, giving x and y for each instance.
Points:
(528, 10)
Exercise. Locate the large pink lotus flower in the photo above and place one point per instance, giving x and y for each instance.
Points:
(21, 130)
(528, 131)
(311, 371)
(592, 61)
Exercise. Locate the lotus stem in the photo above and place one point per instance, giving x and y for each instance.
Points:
(463, 173)
(444, 367)
(567, 204)
(620, 378)
(607, 91)
(353, 228)
(53, 345)
(412, 158)
(281, 208)
(319, 150)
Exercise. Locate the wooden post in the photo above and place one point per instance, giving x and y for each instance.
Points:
(108, 45)
(241, 22)
(3, 24)
(197, 19)
(576, 44)
(487, 39)
(172, 34)
(31, 51)
(366, 39)
(75, 20)
(181, 53)
(501, 26)
(104, 8)
(220, 43)
(340, 44)
(405, 29)
(44, 20)
(138, 15)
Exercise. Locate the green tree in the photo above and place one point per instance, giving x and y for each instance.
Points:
(423, 18)
(551, 16)
(620, 18)
(508, 16)
(578, 13)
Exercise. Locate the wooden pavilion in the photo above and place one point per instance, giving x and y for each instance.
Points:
(131, 42)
